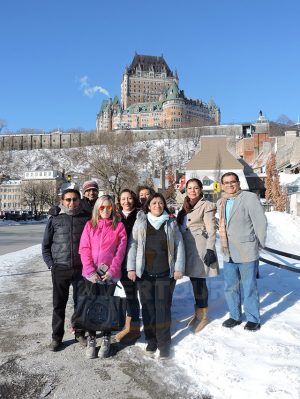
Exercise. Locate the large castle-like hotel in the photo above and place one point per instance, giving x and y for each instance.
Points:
(151, 98)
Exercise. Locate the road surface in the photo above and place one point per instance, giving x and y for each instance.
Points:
(16, 237)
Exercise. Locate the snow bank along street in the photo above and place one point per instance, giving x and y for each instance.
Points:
(218, 363)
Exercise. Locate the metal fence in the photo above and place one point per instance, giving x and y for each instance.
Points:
(280, 265)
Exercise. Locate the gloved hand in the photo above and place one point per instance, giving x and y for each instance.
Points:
(210, 257)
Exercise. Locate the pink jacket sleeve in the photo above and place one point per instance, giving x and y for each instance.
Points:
(116, 263)
(85, 251)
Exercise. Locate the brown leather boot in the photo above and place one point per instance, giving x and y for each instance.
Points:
(194, 321)
(130, 333)
(118, 337)
(203, 320)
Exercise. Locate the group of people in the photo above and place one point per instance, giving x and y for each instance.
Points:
(140, 244)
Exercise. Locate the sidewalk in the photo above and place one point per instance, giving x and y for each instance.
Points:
(30, 370)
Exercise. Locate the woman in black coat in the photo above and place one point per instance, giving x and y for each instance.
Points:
(128, 203)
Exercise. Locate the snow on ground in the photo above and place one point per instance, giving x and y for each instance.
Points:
(9, 263)
(230, 364)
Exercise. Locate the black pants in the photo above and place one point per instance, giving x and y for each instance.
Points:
(61, 280)
(200, 292)
(98, 289)
(156, 299)
(131, 291)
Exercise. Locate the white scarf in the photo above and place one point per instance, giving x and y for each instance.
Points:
(157, 221)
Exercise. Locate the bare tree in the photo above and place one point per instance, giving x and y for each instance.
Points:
(38, 194)
(196, 137)
(31, 196)
(5, 163)
(116, 165)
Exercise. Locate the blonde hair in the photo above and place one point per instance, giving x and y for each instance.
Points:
(96, 216)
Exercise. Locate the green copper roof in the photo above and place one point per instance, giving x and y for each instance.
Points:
(144, 107)
(211, 104)
(116, 100)
(173, 92)
(104, 105)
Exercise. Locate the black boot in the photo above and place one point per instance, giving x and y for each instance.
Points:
(230, 323)
(251, 326)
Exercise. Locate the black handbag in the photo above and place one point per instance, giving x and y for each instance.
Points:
(99, 313)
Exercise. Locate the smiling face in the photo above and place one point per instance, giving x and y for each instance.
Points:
(156, 206)
(70, 200)
(126, 201)
(230, 185)
(193, 190)
(144, 193)
(105, 209)
(91, 194)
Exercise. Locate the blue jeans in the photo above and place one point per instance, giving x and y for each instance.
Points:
(235, 275)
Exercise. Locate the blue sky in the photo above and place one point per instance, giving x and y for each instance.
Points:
(242, 53)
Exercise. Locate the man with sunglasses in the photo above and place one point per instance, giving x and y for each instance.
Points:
(243, 228)
(60, 253)
(90, 191)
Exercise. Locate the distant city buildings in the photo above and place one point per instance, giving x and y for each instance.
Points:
(36, 192)
(151, 98)
(10, 196)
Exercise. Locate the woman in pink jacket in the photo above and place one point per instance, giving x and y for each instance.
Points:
(102, 246)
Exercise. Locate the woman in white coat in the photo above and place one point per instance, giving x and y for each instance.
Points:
(198, 226)
(156, 260)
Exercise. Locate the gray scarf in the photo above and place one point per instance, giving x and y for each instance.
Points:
(70, 212)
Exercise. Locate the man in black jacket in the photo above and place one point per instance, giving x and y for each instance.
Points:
(60, 253)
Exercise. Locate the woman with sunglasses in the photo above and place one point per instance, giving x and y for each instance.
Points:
(128, 203)
(103, 242)
(155, 260)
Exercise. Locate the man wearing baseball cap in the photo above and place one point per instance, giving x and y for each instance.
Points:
(90, 190)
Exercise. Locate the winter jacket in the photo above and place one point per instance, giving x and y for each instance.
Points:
(246, 228)
(199, 235)
(137, 243)
(128, 224)
(61, 239)
(88, 205)
(129, 221)
(103, 245)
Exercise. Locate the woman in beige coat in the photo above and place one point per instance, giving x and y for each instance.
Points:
(198, 226)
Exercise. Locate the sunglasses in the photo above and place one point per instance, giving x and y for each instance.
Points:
(228, 183)
(74, 199)
(107, 207)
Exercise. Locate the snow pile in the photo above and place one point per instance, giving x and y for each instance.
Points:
(283, 232)
(289, 179)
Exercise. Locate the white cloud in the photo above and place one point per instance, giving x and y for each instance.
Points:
(90, 91)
